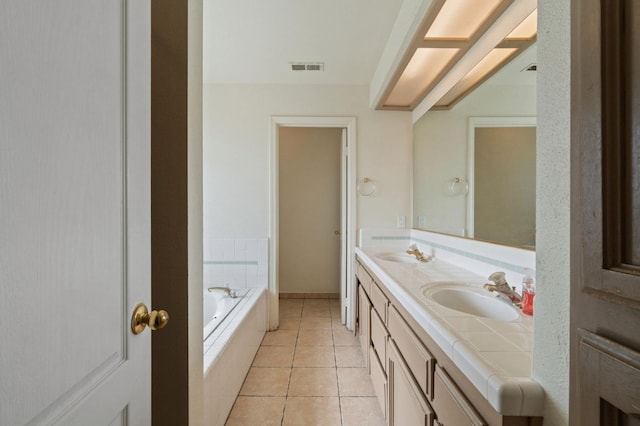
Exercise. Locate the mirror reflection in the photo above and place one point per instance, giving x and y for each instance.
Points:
(474, 165)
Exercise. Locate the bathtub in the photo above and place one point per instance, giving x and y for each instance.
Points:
(217, 305)
(233, 329)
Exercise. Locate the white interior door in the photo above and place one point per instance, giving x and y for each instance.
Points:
(344, 229)
(74, 211)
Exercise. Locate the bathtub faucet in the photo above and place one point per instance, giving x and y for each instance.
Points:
(231, 293)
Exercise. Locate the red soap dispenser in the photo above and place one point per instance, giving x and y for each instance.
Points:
(528, 293)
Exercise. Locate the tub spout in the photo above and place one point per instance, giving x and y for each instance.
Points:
(230, 292)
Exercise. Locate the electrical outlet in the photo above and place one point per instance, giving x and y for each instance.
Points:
(422, 222)
(401, 221)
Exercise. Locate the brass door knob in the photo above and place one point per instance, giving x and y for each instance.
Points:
(142, 317)
(337, 232)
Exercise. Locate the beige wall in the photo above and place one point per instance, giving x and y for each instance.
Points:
(236, 153)
(505, 185)
(309, 209)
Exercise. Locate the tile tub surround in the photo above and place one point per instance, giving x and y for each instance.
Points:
(310, 371)
(494, 355)
(236, 263)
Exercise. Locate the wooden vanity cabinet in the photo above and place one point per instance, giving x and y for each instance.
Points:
(407, 404)
(363, 328)
(415, 381)
(452, 406)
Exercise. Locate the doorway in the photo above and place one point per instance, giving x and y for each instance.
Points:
(309, 211)
(347, 207)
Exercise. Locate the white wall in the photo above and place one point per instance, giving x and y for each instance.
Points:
(551, 337)
(236, 153)
(440, 151)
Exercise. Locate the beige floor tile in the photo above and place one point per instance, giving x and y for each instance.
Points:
(349, 356)
(315, 337)
(256, 410)
(274, 356)
(354, 382)
(292, 323)
(290, 313)
(315, 323)
(280, 338)
(316, 313)
(361, 411)
(313, 382)
(317, 304)
(344, 337)
(291, 303)
(314, 356)
(312, 411)
(266, 382)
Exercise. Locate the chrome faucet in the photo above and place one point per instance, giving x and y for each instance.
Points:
(502, 288)
(413, 250)
(231, 293)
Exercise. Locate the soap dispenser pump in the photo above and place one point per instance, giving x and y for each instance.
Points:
(528, 292)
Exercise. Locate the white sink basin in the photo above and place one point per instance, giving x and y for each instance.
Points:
(471, 300)
(399, 257)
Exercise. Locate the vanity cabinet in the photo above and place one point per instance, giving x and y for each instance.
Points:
(407, 404)
(372, 312)
(415, 381)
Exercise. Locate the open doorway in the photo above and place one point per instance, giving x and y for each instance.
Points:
(345, 232)
(309, 228)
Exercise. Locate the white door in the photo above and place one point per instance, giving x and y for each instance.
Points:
(345, 297)
(74, 211)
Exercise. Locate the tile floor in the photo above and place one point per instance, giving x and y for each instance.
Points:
(308, 372)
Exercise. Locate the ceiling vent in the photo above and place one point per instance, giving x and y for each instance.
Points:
(531, 67)
(307, 66)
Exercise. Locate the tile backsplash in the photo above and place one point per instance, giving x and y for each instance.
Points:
(236, 263)
(478, 256)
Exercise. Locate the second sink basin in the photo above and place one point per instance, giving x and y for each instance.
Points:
(471, 300)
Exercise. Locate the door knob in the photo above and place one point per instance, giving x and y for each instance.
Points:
(142, 317)
(337, 232)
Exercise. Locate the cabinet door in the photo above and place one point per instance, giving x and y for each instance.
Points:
(418, 359)
(364, 324)
(605, 194)
(407, 405)
(451, 406)
(379, 338)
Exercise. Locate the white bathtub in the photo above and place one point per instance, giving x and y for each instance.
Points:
(232, 336)
(217, 306)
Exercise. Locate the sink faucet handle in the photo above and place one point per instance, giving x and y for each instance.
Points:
(498, 278)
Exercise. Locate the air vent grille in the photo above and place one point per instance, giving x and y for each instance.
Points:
(307, 66)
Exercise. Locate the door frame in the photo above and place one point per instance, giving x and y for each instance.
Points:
(348, 123)
(475, 123)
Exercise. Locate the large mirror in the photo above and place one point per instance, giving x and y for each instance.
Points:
(474, 165)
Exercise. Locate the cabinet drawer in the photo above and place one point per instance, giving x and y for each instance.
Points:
(379, 301)
(364, 278)
(379, 381)
(451, 406)
(379, 338)
(407, 405)
(417, 357)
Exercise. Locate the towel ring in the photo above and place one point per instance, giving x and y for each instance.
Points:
(456, 184)
(366, 187)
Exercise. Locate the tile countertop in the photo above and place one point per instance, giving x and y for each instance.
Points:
(495, 355)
